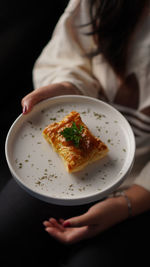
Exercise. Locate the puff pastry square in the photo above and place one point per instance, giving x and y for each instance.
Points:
(90, 148)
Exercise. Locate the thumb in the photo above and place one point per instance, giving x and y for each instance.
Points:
(28, 102)
(78, 221)
(35, 97)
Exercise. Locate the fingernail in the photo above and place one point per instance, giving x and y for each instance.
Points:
(66, 224)
(24, 109)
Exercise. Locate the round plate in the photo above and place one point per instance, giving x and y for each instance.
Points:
(40, 170)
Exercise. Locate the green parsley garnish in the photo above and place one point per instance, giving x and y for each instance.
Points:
(73, 134)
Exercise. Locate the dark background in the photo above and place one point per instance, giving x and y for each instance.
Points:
(25, 28)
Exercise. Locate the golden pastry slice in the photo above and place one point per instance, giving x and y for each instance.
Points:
(73, 141)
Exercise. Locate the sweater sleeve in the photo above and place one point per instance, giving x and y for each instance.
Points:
(143, 179)
(64, 57)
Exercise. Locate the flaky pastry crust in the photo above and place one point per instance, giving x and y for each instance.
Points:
(91, 148)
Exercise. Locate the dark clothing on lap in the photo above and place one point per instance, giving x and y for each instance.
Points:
(23, 240)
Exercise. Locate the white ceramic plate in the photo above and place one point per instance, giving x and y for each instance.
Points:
(40, 171)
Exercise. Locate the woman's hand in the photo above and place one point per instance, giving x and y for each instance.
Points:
(45, 92)
(98, 218)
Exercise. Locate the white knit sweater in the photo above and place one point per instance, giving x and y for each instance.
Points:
(63, 60)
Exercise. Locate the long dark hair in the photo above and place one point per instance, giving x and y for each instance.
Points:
(113, 22)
